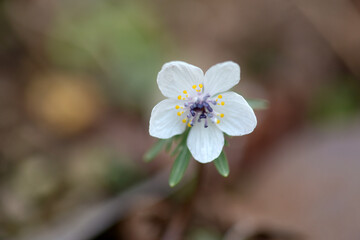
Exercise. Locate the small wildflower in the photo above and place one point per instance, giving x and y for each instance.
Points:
(208, 108)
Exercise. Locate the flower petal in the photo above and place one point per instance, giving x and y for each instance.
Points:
(239, 118)
(205, 144)
(164, 121)
(221, 77)
(177, 76)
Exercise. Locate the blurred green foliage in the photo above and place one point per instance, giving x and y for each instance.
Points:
(336, 101)
(261, 57)
(101, 167)
(203, 234)
(123, 43)
(121, 174)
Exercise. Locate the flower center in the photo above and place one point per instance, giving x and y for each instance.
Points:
(199, 107)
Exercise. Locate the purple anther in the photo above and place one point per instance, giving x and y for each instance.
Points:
(199, 105)
(206, 97)
(192, 121)
(208, 106)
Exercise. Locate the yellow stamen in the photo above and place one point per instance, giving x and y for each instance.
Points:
(185, 92)
(220, 96)
(184, 120)
(179, 97)
(221, 115)
(183, 98)
(200, 85)
(194, 86)
(179, 114)
(218, 121)
(189, 125)
(198, 90)
(222, 103)
(177, 106)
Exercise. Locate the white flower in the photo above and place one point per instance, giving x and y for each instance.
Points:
(199, 101)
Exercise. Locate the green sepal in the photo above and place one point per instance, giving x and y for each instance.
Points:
(222, 165)
(180, 165)
(258, 104)
(226, 142)
(154, 150)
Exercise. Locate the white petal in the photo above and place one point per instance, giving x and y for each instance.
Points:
(221, 77)
(177, 76)
(205, 144)
(239, 118)
(164, 121)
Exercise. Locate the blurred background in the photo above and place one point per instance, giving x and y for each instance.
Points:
(77, 85)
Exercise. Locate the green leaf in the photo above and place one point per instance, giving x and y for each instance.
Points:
(177, 149)
(155, 150)
(180, 165)
(222, 165)
(182, 141)
(259, 104)
(168, 146)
